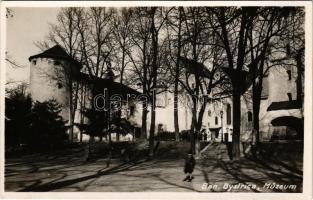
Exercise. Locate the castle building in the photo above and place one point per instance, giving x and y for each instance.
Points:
(280, 116)
(56, 75)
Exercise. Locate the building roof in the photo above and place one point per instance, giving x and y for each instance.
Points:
(56, 52)
(285, 105)
(113, 87)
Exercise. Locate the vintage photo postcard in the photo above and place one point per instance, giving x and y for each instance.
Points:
(174, 100)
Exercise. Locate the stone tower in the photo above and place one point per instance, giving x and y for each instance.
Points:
(50, 74)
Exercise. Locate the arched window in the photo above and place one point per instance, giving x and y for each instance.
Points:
(228, 114)
(289, 74)
(216, 120)
(249, 116)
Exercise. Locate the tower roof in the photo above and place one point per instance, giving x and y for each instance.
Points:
(56, 52)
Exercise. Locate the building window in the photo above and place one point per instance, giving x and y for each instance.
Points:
(160, 128)
(132, 110)
(289, 96)
(228, 114)
(59, 85)
(34, 62)
(249, 116)
(289, 74)
(209, 113)
(216, 120)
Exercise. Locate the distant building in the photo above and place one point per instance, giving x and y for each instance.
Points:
(280, 116)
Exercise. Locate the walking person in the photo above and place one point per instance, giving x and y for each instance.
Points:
(189, 167)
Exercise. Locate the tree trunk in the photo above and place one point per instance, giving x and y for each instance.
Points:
(299, 75)
(82, 107)
(197, 142)
(145, 92)
(236, 122)
(144, 120)
(192, 128)
(91, 137)
(192, 139)
(123, 65)
(256, 128)
(257, 90)
(199, 126)
(176, 123)
(152, 131)
(81, 122)
(154, 77)
(257, 87)
(71, 110)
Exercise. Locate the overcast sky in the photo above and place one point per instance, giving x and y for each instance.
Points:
(26, 26)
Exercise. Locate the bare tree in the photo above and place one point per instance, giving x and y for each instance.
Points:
(195, 78)
(140, 56)
(8, 58)
(122, 34)
(245, 34)
(174, 29)
(146, 58)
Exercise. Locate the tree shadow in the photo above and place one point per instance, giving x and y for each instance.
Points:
(174, 184)
(287, 170)
(57, 185)
(268, 173)
(229, 147)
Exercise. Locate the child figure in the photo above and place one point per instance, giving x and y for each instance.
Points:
(189, 166)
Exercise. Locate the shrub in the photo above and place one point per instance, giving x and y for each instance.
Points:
(17, 111)
(185, 135)
(166, 135)
(97, 123)
(47, 126)
(35, 124)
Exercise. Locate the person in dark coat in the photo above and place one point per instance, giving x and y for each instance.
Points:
(189, 166)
